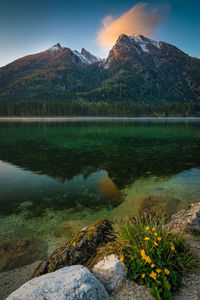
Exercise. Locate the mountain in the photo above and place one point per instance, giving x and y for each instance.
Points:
(154, 70)
(137, 69)
(56, 70)
(87, 57)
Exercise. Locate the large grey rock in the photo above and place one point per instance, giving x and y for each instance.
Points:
(110, 272)
(188, 218)
(69, 283)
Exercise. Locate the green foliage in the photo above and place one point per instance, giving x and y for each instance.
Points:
(154, 256)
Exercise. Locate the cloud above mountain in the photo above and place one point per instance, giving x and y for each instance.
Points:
(139, 19)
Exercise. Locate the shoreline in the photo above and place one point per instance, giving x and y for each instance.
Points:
(93, 118)
(183, 221)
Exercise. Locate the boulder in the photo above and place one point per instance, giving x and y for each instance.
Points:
(17, 253)
(69, 283)
(110, 191)
(185, 219)
(69, 229)
(157, 205)
(79, 250)
(110, 272)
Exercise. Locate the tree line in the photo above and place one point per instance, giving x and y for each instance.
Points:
(99, 109)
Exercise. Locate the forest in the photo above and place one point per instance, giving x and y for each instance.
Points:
(98, 109)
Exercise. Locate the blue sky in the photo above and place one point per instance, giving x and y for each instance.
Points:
(28, 26)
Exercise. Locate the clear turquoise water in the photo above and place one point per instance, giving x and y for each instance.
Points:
(52, 172)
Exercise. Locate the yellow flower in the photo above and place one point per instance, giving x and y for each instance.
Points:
(155, 234)
(143, 275)
(166, 271)
(158, 271)
(147, 228)
(142, 252)
(172, 248)
(121, 258)
(156, 244)
(152, 265)
(153, 229)
(159, 238)
(146, 238)
(132, 258)
(144, 256)
(148, 259)
(153, 275)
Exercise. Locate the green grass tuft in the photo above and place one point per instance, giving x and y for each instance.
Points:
(154, 256)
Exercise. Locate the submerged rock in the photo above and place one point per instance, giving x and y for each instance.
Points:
(110, 272)
(109, 189)
(69, 283)
(68, 229)
(157, 205)
(19, 253)
(79, 250)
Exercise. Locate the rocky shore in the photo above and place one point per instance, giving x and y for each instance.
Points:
(71, 273)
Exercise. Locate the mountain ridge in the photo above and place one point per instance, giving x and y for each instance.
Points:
(137, 69)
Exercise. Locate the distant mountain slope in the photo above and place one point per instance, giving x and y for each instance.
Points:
(137, 69)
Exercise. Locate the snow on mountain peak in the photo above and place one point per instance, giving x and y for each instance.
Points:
(143, 42)
(86, 57)
(56, 48)
(92, 58)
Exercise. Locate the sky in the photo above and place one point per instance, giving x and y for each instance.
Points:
(31, 26)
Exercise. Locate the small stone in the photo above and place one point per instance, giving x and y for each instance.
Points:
(69, 283)
(110, 272)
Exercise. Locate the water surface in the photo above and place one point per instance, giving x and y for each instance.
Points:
(57, 171)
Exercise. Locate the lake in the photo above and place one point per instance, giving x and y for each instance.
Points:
(75, 170)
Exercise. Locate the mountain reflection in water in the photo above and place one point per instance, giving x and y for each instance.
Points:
(57, 172)
(95, 190)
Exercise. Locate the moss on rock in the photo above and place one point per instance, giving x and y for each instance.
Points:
(79, 249)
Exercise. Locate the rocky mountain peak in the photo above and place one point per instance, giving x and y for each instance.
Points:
(58, 45)
(137, 41)
(84, 51)
(91, 58)
(56, 48)
(86, 57)
(133, 46)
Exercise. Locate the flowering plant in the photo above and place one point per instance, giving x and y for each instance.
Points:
(153, 255)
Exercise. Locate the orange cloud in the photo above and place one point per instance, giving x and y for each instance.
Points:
(139, 19)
